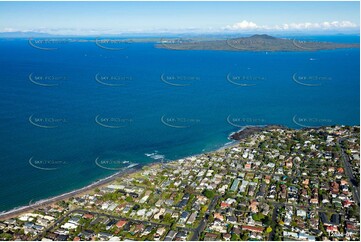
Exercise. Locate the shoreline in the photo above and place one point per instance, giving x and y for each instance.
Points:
(234, 138)
(49, 201)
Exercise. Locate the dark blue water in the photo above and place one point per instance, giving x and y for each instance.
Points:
(69, 130)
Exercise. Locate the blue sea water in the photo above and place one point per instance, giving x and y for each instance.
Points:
(69, 129)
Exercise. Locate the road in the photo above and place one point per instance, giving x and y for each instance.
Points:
(274, 219)
(349, 173)
(202, 225)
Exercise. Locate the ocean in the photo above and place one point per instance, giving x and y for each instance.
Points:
(78, 113)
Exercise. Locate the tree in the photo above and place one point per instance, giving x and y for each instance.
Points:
(6, 236)
(258, 217)
(235, 237)
(208, 193)
(266, 221)
(245, 237)
(129, 199)
(268, 230)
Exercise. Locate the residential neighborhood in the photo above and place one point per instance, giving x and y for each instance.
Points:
(275, 184)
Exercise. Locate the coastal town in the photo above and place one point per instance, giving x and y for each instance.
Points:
(275, 184)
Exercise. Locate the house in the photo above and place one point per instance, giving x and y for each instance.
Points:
(343, 182)
(304, 236)
(251, 190)
(231, 219)
(210, 237)
(235, 184)
(252, 228)
(218, 216)
(267, 179)
(304, 193)
(335, 188)
(147, 231)
(265, 208)
(226, 237)
(181, 235)
(253, 206)
(104, 236)
(325, 199)
(141, 212)
(287, 234)
(218, 226)
(331, 229)
(183, 217)
(202, 199)
(225, 205)
(192, 218)
(87, 234)
(138, 228)
(301, 213)
(170, 236)
(121, 223)
(324, 219)
(110, 224)
(159, 233)
(314, 201)
(347, 203)
(340, 170)
(62, 237)
(159, 203)
(169, 202)
(335, 219)
(69, 226)
(88, 216)
(262, 190)
(288, 164)
(184, 201)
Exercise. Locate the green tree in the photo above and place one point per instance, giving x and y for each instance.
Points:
(235, 237)
(258, 217)
(6, 236)
(208, 193)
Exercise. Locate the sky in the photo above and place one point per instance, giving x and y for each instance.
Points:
(155, 17)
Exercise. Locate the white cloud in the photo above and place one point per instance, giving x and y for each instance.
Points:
(243, 25)
(332, 25)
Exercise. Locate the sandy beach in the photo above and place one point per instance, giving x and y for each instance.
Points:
(46, 202)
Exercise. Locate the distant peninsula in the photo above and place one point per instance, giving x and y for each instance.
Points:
(258, 42)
